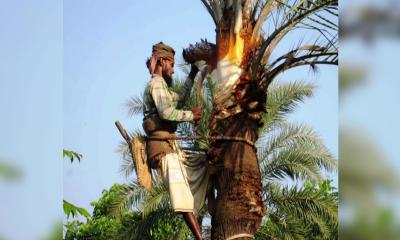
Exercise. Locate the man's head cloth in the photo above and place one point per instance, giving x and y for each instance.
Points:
(161, 50)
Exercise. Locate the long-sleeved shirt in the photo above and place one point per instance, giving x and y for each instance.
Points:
(159, 99)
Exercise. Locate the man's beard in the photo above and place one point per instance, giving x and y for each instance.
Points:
(167, 78)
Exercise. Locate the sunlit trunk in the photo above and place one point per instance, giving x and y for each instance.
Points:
(236, 113)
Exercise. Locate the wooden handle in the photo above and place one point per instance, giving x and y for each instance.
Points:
(122, 131)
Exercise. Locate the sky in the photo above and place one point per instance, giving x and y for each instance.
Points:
(69, 70)
(31, 116)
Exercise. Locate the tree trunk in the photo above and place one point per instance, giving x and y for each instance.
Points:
(239, 205)
(238, 104)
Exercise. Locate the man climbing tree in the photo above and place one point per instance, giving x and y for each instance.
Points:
(160, 121)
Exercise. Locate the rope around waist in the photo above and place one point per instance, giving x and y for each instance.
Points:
(218, 138)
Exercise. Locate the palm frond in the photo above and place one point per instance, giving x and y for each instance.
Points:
(296, 14)
(134, 105)
(130, 196)
(207, 5)
(265, 12)
(247, 9)
(72, 155)
(282, 227)
(255, 9)
(295, 151)
(283, 99)
(308, 212)
(128, 163)
(157, 198)
(306, 55)
(309, 51)
(216, 6)
(304, 203)
(142, 228)
(71, 209)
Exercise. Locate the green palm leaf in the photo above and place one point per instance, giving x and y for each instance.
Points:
(157, 198)
(71, 155)
(129, 196)
(308, 205)
(70, 209)
(294, 151)
(282, 100)
(134, 105)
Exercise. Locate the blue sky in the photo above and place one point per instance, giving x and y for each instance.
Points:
(67, 73)
(31, 116)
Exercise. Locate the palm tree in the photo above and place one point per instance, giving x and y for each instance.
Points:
(242, 69)
(285, 151)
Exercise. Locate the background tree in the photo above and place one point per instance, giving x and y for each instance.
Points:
(105, 223)
(69, 208)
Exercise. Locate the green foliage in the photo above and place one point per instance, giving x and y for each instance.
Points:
(309, 212)
(70, 209)
(134, 105)
(157, 220)
(56, 232)
(111, 221)
(104, 206)
(350, 77)
(103, 228)
(376, 224)
(101, 225)
(71, 155)
(283, 100)
(160, 224)
(294, 151)
(9, 172)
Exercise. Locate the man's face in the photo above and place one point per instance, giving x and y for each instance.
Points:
(167, 69)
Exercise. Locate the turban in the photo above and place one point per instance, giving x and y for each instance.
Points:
(161, 50)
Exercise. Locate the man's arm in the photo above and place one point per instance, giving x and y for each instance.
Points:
(165, 104)
(184, 92)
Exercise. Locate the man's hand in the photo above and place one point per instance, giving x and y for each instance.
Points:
(197, 113)
(194, 68)
(153, 63)
(193, 71)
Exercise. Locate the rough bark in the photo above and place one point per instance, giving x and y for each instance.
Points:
(239, 205)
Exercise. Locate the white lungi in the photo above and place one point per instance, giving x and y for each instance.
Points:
(186, 178)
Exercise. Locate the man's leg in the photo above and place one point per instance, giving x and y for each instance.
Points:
(181, 196)
(192, 223)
